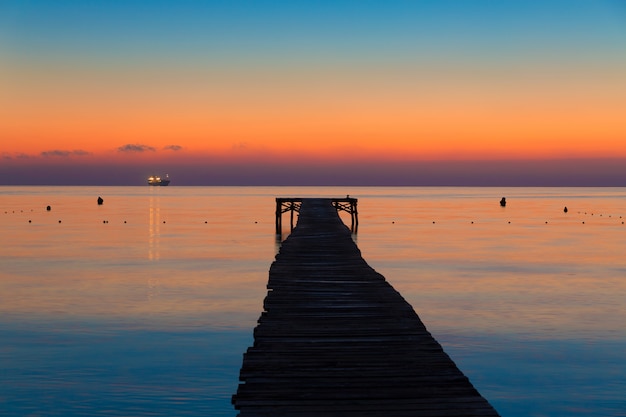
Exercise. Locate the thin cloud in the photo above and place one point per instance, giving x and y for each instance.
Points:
(130, 147)
(63, 153)
(173, 148)
(240, 145)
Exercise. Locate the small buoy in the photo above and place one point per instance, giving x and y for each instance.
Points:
(546, 222)
(124, 221)
(503, 202)
(565, 209)
(59, 221)
(48, 208)
(100, 201)
(163, 221)
(433, 222)
(509, 222)
(104, 221)
(393, 222)
(583, 222)
(30, 221)
(205, 222)
(472, 222)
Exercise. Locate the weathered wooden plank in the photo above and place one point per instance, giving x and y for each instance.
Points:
(336, 339)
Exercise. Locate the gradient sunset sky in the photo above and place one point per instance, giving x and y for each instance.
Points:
(313, 92)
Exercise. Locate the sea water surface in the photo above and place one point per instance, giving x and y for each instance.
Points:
(143, 306)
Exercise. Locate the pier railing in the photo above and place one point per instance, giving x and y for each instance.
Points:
(292, 205)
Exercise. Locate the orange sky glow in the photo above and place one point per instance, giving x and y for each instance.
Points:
(397, 118)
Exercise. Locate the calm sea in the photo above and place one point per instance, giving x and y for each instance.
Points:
(143, 306)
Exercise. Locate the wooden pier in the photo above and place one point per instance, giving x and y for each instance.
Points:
(336, 339)
(292, 205)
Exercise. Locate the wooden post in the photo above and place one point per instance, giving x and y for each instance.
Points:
(355, 217)
(279, 226)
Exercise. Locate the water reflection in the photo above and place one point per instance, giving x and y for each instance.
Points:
(154, 227)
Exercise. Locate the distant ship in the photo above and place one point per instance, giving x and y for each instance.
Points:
(154, 180)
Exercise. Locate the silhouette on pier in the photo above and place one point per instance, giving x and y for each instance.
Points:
(336, 339)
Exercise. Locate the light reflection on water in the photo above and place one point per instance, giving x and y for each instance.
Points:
(154, 231)
(144, 305)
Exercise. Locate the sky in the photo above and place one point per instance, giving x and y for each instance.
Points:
(313, 92)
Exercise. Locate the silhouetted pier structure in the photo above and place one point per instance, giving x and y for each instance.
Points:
(292, 205)
(336, 339)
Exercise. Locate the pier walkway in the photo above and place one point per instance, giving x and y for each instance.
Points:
(336, 339)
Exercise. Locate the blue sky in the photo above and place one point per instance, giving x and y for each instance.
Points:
(311, 30)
